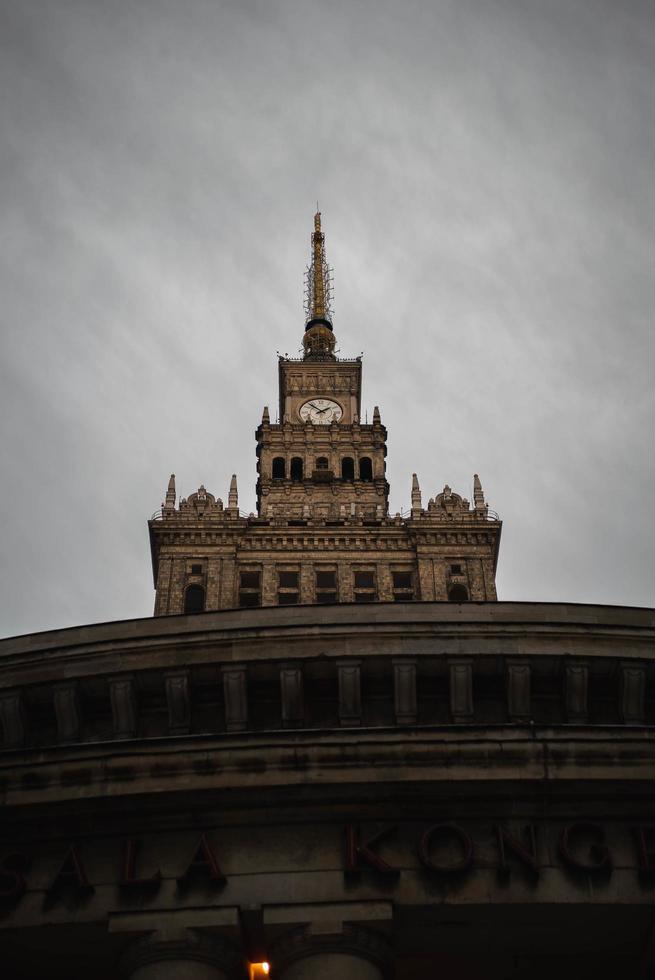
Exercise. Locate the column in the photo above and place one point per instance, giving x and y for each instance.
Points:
(353, 954)
(517, 679)
(461, 689)
(197, 957)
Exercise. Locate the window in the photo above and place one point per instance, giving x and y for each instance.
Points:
(347, 468)
(458, 593)
(403, 587)
(279, 471)
(365, 469)
(321, 463)
(455, 569)
(296, 469)
(194, 599)
(287, 588)
(250, 588)
(196, 569)
(364, 583)
(326, 586)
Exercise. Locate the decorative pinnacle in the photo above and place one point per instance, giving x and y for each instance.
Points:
(233, 494)
(416, 497)
(170, 494)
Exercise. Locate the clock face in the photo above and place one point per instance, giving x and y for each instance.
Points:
(320, 411)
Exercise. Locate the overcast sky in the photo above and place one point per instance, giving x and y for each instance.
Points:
(485, 169)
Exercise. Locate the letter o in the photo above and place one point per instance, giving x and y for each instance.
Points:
(442, 829)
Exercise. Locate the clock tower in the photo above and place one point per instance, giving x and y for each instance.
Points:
(322, 532)
(319, 461)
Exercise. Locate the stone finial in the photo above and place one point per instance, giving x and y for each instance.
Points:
(170, 494)
(416, 497)
(376, 416)
(266, 418)
(233, 495)
(478, 496)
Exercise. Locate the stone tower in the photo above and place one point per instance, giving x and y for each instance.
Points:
(323, 533)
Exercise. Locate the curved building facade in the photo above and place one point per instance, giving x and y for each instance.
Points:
(331, 753)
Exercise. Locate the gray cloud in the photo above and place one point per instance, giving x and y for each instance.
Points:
(485, 175)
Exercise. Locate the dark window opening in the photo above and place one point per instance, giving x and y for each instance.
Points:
(296, 469)
(456, 569)
(403, 588)
(194, 599)
(196, 569)
(287, 594)
(365, 469)
(250, 589)
(347, 468)
(322, 463)
(364, 586)
(249, 599)
(458, 593)
(279, 470)
(326, 586)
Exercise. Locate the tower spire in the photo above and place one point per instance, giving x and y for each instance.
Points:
(319, 338)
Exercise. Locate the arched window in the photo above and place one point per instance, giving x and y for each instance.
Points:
(296, 469)
(194, 599)
(347, 468)
(278, 468)
(365, 469)
(458, 593)
(322, 463)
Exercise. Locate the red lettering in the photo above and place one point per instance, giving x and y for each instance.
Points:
(203, 861)
(598, 852)
(443, 830)
(645, 849)
(358, 853)
(71, 874)
(12, 879)
(508, 842)
(128, 877)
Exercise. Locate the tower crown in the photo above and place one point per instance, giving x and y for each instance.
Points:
(318, 340)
